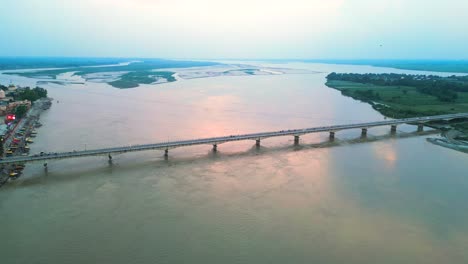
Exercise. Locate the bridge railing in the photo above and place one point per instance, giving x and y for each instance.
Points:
(219, 140)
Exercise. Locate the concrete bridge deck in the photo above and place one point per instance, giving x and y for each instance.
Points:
(219, 140)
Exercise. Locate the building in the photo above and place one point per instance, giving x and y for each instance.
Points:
(2, 94)
(12, 105)
(3, 110)
(11, 88)
(3, 130)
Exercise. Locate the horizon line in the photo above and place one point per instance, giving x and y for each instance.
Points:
(233, 59)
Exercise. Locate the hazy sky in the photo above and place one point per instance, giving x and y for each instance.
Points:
(430, 29)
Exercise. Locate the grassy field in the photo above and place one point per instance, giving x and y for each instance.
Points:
(400, 101)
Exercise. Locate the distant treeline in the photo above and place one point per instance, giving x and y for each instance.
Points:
(444, 88)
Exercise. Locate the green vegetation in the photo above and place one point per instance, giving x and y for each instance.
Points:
(464, 128)
(57, 82)
(401, 96)
(444, 88)
(138, 72)
(133, 79)
(31, 94)
(20, 111)
(250, 71)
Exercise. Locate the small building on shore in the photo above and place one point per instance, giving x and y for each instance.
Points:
(3, 130)
(11, 88)
(3, 110)
(3, 107)
(12, 91)
(12, 105)
(9, 107)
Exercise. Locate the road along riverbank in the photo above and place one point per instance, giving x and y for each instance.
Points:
(15, 143)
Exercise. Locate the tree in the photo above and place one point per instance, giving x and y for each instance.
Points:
(20, 111)
(32, 94)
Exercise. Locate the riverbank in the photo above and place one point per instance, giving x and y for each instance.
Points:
(404, 96)
(123, 76)
(15, 143)
(447, 144)
(402, 101)
(397, 101)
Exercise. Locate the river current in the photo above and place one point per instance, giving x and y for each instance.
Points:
(387, 199)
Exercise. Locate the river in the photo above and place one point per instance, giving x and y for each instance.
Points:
(388, 200)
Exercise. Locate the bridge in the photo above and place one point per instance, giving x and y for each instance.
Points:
(215, 141)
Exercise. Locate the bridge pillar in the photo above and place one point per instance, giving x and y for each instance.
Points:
(420, 127)
(332, 135)
(215, 148)
(364, 132)
(257, 143)
(296, 140)
(393, 128)
(110, 157)
(166, 153)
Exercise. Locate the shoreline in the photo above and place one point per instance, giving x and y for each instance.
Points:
(130, 78)
(20, 136)
(388, 111)
(404, 96)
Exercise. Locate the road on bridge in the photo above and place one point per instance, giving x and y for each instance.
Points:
(218, 140)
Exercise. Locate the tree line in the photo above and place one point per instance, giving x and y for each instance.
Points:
(444, 88)
(31, 94)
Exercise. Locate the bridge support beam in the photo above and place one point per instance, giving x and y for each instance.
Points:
(420, 127)
(393, 128)
(332, 135)
(257, 143)
(215, 147)
(296, 140)
(364, 132)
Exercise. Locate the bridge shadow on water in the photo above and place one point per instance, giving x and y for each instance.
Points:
(57, 177)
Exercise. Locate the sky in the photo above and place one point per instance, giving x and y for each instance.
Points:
(230, 29)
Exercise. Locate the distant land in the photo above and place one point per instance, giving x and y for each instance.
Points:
(456, 66)
(18, 63)
(129, 74)
(15, 63)
(403, 95)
